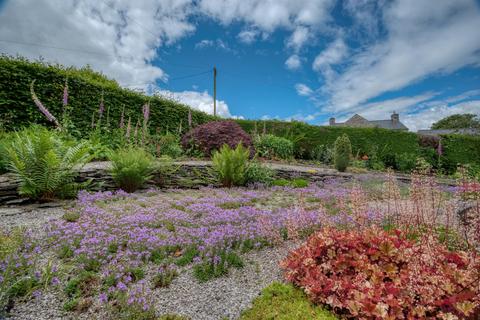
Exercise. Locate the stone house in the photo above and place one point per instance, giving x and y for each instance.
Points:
(358, 121)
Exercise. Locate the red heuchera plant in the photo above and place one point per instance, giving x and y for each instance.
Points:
(372, 274)
(213, 135)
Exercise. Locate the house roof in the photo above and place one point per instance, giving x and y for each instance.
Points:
(389, 124)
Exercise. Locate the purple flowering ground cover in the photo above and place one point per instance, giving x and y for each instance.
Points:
(112, 249)
(112, 253)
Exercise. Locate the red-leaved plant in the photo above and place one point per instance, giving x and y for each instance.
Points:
(374, 274)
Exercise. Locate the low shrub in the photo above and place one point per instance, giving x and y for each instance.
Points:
(212, 136)
(342, 153)
(373, 274)
(322, 153)
(168, 145)
(258, 173)
(131, 168)
(273, 147)
(406, 162)
(230, 165)
(284, 302)
(45, 164)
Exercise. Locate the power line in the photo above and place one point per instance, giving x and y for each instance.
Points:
(173, 79)
(96, 53)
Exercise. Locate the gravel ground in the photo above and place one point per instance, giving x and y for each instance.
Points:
(221, 298)
(225, 297)
(217, 299)
(33, 215)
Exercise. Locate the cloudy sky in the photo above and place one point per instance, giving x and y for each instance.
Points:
(287, 59)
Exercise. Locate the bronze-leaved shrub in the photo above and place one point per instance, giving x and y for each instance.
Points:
(211, 136)
(374, 274)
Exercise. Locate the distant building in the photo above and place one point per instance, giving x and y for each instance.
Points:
(467, 131)
(360, 122)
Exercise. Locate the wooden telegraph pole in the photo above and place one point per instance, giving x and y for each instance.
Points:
(214, 91)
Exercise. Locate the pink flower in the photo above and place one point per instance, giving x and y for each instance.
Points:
(189, 118)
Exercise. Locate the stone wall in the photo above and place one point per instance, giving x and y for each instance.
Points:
(186, 174)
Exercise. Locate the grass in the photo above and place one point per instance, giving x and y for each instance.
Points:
(284, 302)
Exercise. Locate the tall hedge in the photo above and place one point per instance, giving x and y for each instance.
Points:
(85, 91)
(364, 140)
(459, 149)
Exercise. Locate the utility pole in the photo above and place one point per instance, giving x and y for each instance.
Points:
(214, 91)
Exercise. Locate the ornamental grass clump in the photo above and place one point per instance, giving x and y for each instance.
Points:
(342, 153)
(374, 274)
(45, 164)
(131, 168)
(230, 165)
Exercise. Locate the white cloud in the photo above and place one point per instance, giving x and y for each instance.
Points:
(293, 62)
(333, 54)
(298, 38)
(269, 15)
(422, 39)
(303, 90)
(204, 44)
(425, 118)
(198, 100)
(116, 38)
(248, 36)
(383, 109)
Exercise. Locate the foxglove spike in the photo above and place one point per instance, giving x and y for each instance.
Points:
(41, 107)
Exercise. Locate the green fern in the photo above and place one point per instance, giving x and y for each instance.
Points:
(230, 165)
(131, 168)
(45, 165)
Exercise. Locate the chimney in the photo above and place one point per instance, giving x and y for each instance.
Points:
(395, 117)
(331, 121)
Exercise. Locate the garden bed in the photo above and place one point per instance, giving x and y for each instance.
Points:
(204, 253)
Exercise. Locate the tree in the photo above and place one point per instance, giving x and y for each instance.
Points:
(458, 121)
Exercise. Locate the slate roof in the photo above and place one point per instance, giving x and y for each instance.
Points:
(388, 124)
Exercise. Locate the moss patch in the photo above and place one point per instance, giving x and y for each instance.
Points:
(284, 302)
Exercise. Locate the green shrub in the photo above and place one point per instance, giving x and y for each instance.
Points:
(284, 302)
(168, 145)
(45, 165)
(209, 268)
(258, 173)
(406, 162)
(5, 141)
(131, 168)
(281, 182)
(343, 152)
(322, 153)
(273, 147)
(230, 165)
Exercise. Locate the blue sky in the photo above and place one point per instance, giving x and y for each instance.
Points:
(306, 60)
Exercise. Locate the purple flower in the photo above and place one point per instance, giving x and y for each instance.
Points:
(65, 94)
(41, 107)
(101, 107)
(55, 281)
(103, 297)
(146, 112)
(189, 118)
(121, 286)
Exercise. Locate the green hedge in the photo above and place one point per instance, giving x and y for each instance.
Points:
(85, 90)
(459, 149)
(364, 140)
